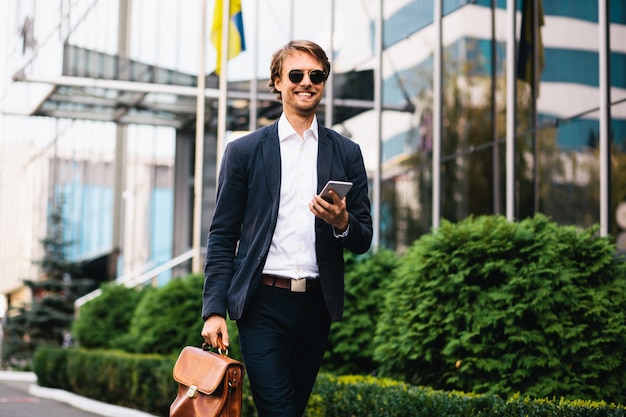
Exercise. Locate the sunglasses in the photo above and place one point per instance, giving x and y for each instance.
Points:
(316, 76)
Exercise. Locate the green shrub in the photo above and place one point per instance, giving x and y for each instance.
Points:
(105, 319)
(50, 366)
(168, 318)
(138, 381)
(351, 349)
(142, 382)
(366, 396)
(361, 396)
(493, 306)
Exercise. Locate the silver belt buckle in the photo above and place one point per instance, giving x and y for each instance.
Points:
(298, 285)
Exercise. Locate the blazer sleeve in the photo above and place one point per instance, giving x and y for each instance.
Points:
(359, 238)
(224, 233)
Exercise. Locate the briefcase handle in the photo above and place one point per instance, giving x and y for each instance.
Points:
(208, 347)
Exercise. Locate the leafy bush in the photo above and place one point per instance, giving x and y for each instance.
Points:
(168, 318)
(50, 366)
(351, 349)
(366, 396)
(120, 319)
(137, 381)
(105, 319)
(493, 306)
(144, 382)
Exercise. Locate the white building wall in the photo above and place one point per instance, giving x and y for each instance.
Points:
(24, 181)
(28, 144)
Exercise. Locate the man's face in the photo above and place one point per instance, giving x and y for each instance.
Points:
(304, 96)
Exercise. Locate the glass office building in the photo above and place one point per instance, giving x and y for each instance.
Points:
(98, 102)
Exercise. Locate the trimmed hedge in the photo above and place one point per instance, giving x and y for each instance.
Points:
(138, 381)
(144, 382)
(367, 396)
(50, 365)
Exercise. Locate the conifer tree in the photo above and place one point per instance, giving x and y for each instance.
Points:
(48, 319)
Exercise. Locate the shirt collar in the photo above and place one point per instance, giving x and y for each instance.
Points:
(285, 130)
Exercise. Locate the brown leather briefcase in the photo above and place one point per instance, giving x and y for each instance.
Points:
(209, 384)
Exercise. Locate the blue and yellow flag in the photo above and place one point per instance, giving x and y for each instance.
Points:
(236, 40)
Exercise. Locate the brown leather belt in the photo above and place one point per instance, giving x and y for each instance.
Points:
(306, 284)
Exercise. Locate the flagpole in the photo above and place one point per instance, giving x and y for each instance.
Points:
(510, 111)
(291, 19)
(494, 112)
(222, 105)
(199, 152)
(330, 84)
(605, 116)
(254, 82)
(534, 88)
(378, 111)
(437, 110)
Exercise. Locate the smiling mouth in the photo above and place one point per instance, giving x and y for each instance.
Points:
(305, 93)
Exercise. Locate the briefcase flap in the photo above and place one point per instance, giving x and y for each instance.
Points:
(202, 368)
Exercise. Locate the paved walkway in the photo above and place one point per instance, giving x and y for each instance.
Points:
(20, 396)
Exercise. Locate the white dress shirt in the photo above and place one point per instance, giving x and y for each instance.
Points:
(292, 252)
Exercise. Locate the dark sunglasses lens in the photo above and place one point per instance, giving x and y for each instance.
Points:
(317, 76)
(296, 76)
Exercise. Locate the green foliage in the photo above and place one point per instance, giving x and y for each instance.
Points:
(152, 320)
(483, 306)
(136, 381)
(55, 263)
(168, 318)
(47, 320)
(493, 306)
(351, 349)
(17, 351)
(106, 318)
(50, 366)
(366, 396)
(144, 382)
(358, 396)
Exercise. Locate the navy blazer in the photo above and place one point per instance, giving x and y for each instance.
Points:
(247, 208)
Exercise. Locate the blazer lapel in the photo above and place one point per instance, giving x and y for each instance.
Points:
(271, 160)
(324, 157)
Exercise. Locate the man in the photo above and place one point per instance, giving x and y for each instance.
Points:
(275, 247)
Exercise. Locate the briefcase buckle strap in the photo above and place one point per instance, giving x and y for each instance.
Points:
(192, 392)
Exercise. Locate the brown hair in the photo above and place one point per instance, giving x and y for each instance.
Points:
(311, 48)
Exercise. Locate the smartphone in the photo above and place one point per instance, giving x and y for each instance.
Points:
(340, 187)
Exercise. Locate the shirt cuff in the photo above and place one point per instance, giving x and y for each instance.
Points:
(341, 235)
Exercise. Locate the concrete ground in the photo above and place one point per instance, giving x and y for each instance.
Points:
(20, 396)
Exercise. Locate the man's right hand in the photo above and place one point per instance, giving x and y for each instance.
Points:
(215, 332)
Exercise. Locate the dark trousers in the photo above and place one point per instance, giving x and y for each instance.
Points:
(283, 336)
